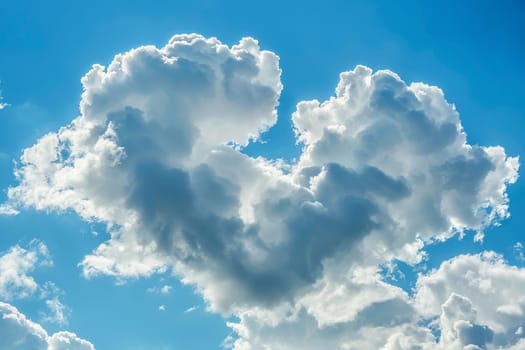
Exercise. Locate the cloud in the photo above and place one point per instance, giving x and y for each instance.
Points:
(58, 312)
(191, 309)
(164, 290)
(469, 302)
(16, 282)
(385, 168)
(15, 266)
(2, 104)
(18, 332)
(518, 251)
(490, 293)
(8, 210)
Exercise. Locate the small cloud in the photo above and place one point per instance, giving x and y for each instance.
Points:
(58, 312)
(162, 308)
(7, 210)
(164, 290)
(2, 104)
(49, 290)
(478, 237)
(518, 251)
(191, 309)
(16, 266)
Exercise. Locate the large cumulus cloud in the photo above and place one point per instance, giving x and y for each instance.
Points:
(154, 154)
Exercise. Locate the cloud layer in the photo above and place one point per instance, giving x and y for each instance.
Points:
(291, 249)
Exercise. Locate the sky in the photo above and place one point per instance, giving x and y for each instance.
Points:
(262, 175)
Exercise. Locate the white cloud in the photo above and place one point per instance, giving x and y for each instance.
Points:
(289, 248)
(17, 332)
(470, 302)
(2, 104)
(191, 309)
(491, 291)
(518, 251)
(58, 312)
(162, 308)
(16, 282)
(7, 210)
(15, 266)
(164, 290)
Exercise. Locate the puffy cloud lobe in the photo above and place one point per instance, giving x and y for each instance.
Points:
(482, 299)
(18, 332)
(375, 121)
(457, 324)
(154, 154)
(68, 341)
(469, 302)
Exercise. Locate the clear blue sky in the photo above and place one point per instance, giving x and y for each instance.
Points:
(473, 50)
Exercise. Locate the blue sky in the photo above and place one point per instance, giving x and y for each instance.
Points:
(473, 51)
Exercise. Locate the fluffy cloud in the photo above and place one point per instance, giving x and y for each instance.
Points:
(385, 168)
(16, 282)
(18, 332)
(482, 300)
(7, 210)
(15, 266)
(469, 302)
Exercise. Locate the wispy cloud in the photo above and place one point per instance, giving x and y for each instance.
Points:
(8, 210)
(191, 309)
(162, 290)
(57, 312)
(16, 264)
(2, 104)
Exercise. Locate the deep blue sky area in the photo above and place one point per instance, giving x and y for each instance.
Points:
(473, 50)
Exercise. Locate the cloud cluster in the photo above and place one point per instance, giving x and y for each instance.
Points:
(17, 332)
(482, 300)
(15, 266)
(469, 302)
(385, 168)
(17, 282)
